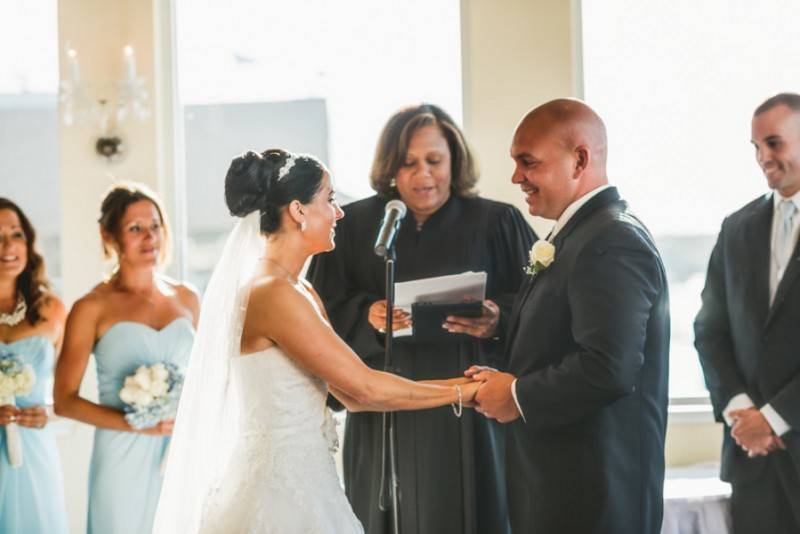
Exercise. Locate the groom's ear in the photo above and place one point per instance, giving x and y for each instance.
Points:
(581, 159)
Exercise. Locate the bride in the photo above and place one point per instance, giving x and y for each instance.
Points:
(252, 446)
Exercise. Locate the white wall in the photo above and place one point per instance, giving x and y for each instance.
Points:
(516, 55)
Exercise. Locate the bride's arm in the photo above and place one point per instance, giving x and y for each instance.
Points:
(468, 389)
(281, 313)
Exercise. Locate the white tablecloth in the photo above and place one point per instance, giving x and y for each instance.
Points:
(696, 501)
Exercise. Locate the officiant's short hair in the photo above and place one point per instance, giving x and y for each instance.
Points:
(790, 100)
(393, 146)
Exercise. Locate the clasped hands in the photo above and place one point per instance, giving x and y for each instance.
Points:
(489, 392)
(753, 433)
(30, 417)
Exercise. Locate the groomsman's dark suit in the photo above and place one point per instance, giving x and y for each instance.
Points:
(588, 342)
(747, 346)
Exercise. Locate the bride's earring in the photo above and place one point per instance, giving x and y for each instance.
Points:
(303, 226)
(393, 182)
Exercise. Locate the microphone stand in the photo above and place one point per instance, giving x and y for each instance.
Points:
(390, 488)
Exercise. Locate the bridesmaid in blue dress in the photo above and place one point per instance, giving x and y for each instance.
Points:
(31, 328)
(137, 317)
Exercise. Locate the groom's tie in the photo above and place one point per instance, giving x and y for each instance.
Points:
(783, 242)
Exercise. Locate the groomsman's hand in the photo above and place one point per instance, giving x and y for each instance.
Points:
(481, 327)
(494, 398)
(753, 433)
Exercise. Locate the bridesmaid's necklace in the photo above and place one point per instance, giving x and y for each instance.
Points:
(15, 316)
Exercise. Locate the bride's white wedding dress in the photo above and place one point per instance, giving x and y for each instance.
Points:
(251, 449)
(281, 477)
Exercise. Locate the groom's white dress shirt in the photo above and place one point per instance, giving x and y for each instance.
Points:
(560, 224)
(776, 270)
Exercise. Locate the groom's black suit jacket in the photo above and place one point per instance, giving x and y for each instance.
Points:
(588, 340)
(747, 345)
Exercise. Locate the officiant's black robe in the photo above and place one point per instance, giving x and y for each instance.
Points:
(451, 471)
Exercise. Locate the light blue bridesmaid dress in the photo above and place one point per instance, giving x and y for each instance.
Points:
(32, 495)
(124, 476)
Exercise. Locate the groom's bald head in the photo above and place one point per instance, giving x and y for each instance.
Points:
(573, 123)
(560, 151)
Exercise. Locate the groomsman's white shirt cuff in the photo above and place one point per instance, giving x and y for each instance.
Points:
(778, 423)
(514, 394)
(743, 401)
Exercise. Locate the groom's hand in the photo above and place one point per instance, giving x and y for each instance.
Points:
(494, 398)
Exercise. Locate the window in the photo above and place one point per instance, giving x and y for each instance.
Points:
(311, 76)
(29, 120)
(677, 84)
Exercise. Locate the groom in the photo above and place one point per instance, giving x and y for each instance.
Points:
(586, 391)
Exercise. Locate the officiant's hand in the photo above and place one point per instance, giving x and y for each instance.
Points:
(377, 317)
(482, 327)
(494, 398)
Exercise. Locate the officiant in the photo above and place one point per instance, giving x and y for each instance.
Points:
(451, 470)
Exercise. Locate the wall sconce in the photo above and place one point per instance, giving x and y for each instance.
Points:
(107, 106)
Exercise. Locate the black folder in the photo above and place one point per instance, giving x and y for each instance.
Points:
(428, 317)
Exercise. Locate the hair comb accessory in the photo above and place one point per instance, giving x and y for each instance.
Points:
(287, 166)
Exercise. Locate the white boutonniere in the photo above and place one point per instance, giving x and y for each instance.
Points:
(542, 254)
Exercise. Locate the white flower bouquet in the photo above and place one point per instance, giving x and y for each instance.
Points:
(16, 379)
(151, 395)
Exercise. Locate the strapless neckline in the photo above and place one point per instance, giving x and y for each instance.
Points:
(249, 355)
(35, 336)
(147, 327)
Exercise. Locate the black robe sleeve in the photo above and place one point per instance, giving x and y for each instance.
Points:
(509, 245)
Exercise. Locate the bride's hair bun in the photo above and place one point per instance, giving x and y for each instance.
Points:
(260, 182)
(245, 184)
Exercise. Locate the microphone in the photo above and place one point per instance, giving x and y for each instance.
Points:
(395, 211)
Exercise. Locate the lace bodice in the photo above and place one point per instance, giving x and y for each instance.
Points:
(278, 398)
(282, 478)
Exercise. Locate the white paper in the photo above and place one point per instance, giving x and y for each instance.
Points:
(452, 288)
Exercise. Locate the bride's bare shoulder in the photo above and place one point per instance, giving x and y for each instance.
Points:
(276, 292)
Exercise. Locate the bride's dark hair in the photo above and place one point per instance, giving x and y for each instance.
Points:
(253, 183)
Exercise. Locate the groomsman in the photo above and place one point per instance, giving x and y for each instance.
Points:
(586, 392)
(748, 333)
